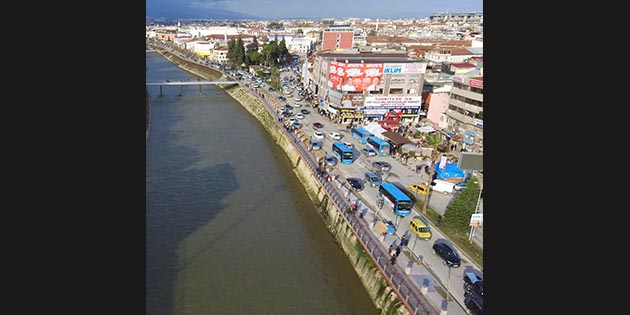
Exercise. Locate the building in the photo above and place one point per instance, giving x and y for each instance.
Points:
(352, 85)
(464, 116)
(470, 17)
(337, 36)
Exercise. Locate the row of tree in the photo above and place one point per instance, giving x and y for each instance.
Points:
(272, 54)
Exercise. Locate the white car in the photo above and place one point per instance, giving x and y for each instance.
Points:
(334, 135)
(318, 135)
(299, 116)
(369, 151)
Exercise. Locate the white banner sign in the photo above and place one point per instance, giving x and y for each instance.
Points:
(393, 101)
(476, 219)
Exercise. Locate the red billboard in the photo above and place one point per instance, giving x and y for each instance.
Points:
(355, 76)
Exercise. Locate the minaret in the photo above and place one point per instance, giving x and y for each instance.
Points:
(376, 25)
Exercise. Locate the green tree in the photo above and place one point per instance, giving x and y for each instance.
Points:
(372, 33)
(239, 53)
(458, 212)
(283, 53)
(231, 50)
(299, 31)
(434, 141)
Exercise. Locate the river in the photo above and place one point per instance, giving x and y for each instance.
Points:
(229, 227)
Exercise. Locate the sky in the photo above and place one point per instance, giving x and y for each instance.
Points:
(315, 9)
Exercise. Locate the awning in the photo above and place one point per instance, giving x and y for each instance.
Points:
(457, 137)
(468, 141)
(470, 133)
(448, 133)
(426, 129)
(396, 138)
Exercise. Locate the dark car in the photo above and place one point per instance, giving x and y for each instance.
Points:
(304, 111)
(355, 183)
(474, 304)
(459, 186)
(330, 160)
(448, 254)
(318, 125)
(382, 166)
(473, 284)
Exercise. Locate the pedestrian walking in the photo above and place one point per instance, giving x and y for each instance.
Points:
(439, 220)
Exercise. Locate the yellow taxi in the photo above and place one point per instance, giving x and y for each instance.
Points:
(419, 228)
(419, 188)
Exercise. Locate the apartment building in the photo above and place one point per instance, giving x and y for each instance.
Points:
(337, 36)
(353, 85)
(464, 116)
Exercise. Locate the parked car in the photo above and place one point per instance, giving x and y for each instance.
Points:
(299, 116)
(448, 254)
(330, 160)
(419, 188)
(460, 186)
(420, 229)
(297, 125)
(318, 135)
(473, 284)
(368, 151)
(316, 145)
(474, 304)
(349, 145)
(304, 111)
(318, 125)
(382, 166)
(374, 179)
(334, 135)
(355, 183)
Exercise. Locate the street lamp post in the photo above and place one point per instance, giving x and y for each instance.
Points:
(448, 282)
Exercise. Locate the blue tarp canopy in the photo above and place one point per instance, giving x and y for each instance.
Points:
(450, 171)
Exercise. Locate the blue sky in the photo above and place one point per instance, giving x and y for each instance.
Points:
(287, 9)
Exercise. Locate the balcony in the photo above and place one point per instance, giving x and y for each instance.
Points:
(460, 117)
(471, 108)
(467, 94)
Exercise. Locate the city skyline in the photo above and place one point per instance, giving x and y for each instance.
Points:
(298, 9)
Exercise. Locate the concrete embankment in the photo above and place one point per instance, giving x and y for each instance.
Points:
(382, 294)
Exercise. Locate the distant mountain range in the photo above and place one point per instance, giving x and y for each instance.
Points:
(181, 12)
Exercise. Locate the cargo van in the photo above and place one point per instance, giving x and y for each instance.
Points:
(443, 186)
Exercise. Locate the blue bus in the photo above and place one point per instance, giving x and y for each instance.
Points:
(343, 153)
(361, 134)
(380, 146)
(397, 200)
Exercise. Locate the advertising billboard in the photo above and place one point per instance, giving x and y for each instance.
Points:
(407, 106)
(351, 100)
(405, 68)
(355, 76)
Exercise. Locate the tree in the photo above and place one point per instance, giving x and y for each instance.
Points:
(434, 141)
(372, 33)
(461, 208)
